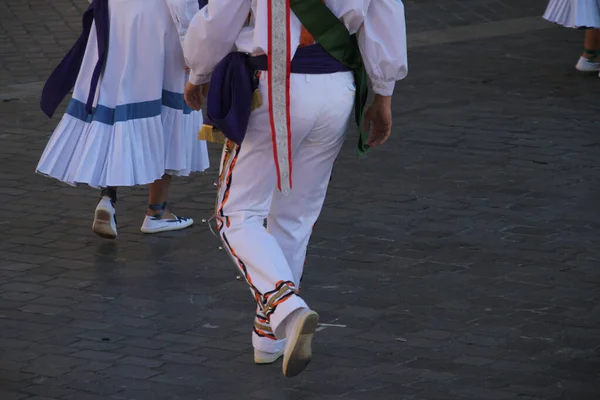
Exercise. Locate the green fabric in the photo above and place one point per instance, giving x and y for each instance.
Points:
(332, 34)
(592, 53)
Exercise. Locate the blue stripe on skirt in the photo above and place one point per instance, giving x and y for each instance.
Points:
(128, 112)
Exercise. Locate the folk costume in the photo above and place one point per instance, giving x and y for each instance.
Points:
(127, 123)
(283, 101)
(578, 14)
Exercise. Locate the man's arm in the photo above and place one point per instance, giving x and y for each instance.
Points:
(382, 41)
(211, 36)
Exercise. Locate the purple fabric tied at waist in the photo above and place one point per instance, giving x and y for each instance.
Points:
(234, 81)
(307, 60)
(64, 76)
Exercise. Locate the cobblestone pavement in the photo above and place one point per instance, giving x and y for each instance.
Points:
(458, 262)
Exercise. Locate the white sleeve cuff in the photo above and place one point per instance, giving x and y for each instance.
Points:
(383, 88)
(198, 79)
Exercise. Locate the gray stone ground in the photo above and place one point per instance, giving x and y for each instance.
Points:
(459, 262)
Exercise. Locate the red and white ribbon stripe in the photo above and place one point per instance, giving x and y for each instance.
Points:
(279, 56)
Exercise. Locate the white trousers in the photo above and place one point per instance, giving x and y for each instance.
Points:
(272, 259)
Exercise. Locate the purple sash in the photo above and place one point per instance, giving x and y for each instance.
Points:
(234, 80)
(64, 76)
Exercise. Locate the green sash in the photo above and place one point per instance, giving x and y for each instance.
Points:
(332, 34)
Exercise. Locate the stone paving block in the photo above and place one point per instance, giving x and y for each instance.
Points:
(483, 393)
(140, 352)
(179, 379)
(130, 371)
(41, 398)
(8, 395)
(383, 392)
(96, 355)
(95, 345)
(141, 362)
(84, 396)
(179, 358)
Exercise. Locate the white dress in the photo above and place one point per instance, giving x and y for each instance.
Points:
(141, 127)
(574, 13)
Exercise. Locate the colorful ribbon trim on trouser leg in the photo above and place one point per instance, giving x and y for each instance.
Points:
(283, 290)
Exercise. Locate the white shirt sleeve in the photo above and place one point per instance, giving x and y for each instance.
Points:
(382, 42)
(182, 12)
(211, 36)
(381, 29)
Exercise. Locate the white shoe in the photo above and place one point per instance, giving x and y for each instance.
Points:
(156, 224)
(298, 350)
(105, 221)
(587, 65)
(263, 357)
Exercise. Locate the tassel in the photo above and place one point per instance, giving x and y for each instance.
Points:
(211, 134)
(256, 100)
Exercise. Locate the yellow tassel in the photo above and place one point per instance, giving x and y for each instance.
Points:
(211, 134)
(256, 100)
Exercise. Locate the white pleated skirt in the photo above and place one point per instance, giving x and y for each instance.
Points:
(141, 127)
(574, 13)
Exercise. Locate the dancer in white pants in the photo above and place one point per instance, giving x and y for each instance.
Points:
(281, 169)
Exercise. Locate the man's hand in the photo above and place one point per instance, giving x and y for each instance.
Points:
(379, 117)
(193, 96)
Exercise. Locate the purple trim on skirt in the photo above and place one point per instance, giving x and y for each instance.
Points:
(64, 76)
